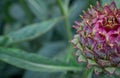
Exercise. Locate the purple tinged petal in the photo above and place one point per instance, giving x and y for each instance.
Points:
(90, 43)
(101, 53)
(115, 60)
(110, 50)
(76, 26)
(101, 16)
(94, 20)
(113, 5)
(112, 35)
(118, 19)
(107, 9)
(99, 34)
(103, 62)
(88, 54)
(100, 37)
(96, 27)
(92, 11)
(87, 29)
(77, 23)
(98, 4)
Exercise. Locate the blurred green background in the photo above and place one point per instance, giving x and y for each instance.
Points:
(34, 38)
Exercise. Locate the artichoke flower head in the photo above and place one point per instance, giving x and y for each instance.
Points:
(97, 41)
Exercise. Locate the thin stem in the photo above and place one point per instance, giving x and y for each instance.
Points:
(64, 12)
(67, 3)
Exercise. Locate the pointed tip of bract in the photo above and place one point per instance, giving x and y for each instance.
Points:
(106, 4)
(91, 6)
(98, 4)
(113, 4)
(84, 13)
(76, 27)
(70, 41)
(77, 23)
(81, 16)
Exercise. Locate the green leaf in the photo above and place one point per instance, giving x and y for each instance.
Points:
(34, 62)
(31, 31)
(4, 40)
(48, 50)
(109, 1)
(66, 55)
(39, 8)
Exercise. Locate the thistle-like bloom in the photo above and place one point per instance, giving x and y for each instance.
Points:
(98, 37)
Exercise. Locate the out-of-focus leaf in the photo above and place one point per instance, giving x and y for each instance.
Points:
(51, 49)
(2, 67)
(62, 55)
(68, 55)
(92, 2)
(39, 8)
(4, 41)
(1, 26)
(43, 75)
(27, 10)
(76, 9)
(48, 50)
(109, 1)
(17, 12)
(34, 62)
(31, 31)
(9, 71)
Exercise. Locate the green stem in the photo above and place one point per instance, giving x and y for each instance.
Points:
(64, 12)
(67, 2)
